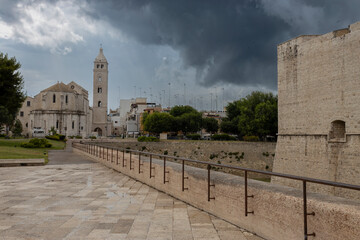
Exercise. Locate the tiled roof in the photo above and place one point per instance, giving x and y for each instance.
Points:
(58, 87)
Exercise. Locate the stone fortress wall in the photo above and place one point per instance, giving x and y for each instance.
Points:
(278, 210)
(319, 111)
(256, 155)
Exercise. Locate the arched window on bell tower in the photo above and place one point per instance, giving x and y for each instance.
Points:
(99, 103)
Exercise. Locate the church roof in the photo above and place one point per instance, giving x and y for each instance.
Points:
(100, 57)
(58, 87)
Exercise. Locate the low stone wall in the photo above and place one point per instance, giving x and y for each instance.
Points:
(278, 210)
(255, 155)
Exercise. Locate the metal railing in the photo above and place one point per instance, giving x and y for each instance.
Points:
(99, 151)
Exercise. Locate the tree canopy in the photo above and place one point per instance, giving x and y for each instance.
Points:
(11, 87)
(254, 115)
(159, 122)
(211, 125)
(180, 110)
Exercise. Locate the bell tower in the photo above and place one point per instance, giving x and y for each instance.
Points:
(100, 94)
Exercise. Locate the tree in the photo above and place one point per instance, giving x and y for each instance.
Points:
(11, 86)
(17, 128)
(228, 126)
(256, 115)
(188, 122)
(211, 125)
(159, 122)
(180, 110)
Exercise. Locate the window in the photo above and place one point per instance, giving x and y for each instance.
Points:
(97, 66)
(21, 114)
(28, 103)
(116, 121)
(115, 128)
(82, 128)
(102, 65)
(57, 124)
(99, 90)
(337, 130)
(54, 98)
(66, 99)
(99, 78)
(99, 103)
(26, 125)
(73, 124)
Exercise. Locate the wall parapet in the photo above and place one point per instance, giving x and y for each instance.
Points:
(269, 210)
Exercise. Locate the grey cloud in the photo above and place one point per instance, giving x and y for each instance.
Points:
(227, 41)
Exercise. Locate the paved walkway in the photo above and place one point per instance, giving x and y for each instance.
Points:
(73, 198)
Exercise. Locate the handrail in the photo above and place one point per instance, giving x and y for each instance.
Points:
(90, 148)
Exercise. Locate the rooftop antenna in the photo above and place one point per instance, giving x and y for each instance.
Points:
(100, 45)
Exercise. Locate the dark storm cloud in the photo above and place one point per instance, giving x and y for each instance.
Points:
(228, 41)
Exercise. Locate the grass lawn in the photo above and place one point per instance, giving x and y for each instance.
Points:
(10, 149)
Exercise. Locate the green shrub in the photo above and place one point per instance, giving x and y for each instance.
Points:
(223, 137)
(166, 152)
(78, 137)
(36, 143)
(56, 137)
(193, 136)
(53, 137)
(27, 145)
(92, 137)
(251, 138)
(61, 137)
(148, 139)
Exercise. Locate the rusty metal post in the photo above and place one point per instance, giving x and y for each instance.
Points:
(117, 156)
(165, 181)
(247, 196)
(151, 167)
(131, 168)
(140, 164)
(183, 176)
(209, 185)
(306, 234)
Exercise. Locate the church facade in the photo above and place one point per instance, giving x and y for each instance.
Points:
(65, 107)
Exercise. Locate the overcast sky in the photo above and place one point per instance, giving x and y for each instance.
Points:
(219, 48)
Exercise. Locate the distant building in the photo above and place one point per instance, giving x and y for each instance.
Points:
(101, 124)
(62, 106)
(66, 107)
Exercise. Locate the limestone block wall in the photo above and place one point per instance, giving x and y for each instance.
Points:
(256, 155)
(319, 115)
(278, 210)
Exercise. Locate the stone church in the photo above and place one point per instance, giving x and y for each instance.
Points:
(65, 107)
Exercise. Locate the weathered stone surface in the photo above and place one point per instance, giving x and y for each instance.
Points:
(278, 209)
(77, 199)
(319, 117)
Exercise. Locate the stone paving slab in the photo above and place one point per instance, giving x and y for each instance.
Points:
(90, 201)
